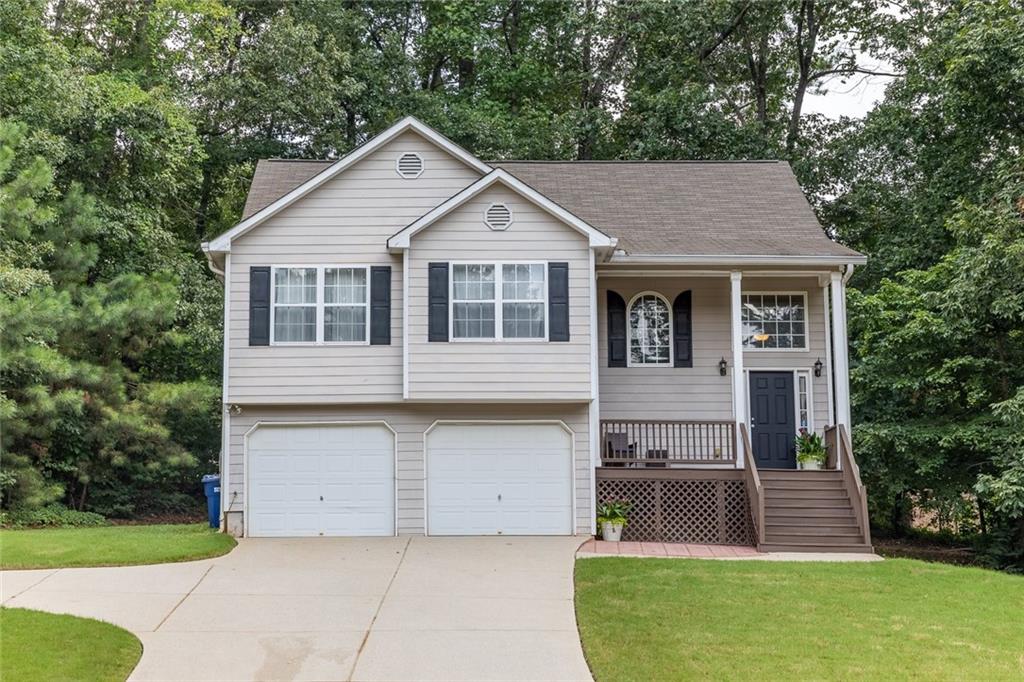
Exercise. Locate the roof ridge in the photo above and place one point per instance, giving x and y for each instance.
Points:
(279, 159)
(635, 161)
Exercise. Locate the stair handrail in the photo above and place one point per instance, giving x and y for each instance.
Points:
(755, 492)
(851, 477)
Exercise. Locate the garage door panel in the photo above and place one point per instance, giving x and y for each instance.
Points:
(329, 480)
(513, 479)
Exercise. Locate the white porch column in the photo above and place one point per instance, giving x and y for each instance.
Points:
(841, 355)
(739, 382)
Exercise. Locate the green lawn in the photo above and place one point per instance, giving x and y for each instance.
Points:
(664, 619)
(110, 545)
(45, 646)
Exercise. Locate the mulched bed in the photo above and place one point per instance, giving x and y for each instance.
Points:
(156, 519)
(925, 551)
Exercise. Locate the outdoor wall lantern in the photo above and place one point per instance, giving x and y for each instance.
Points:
(722, 366)
(817, 368)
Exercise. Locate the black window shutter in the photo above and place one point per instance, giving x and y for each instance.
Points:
(437, 301)
(380, 305)
(616, 330)
(259, 306)
(558, 301)
(682, 332)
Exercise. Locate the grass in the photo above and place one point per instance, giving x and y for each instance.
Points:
(45, 646)
(664, 619)
(110, 546)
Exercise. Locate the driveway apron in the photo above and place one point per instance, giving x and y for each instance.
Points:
(494, 608)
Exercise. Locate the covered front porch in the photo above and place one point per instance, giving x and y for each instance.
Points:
(699, 482)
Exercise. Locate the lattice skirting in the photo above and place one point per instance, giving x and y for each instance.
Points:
(702, 510)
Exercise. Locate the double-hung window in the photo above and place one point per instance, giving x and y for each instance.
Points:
(523, 290)
(345, 305)
(776, 321)
(320, 305)
(295, 305)
(499, 301)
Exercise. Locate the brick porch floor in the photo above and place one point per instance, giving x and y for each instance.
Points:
(666, 549)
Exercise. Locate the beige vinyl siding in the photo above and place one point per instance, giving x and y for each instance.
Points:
(507, 370)
(347, 220)
(410, 422)
(700, 392)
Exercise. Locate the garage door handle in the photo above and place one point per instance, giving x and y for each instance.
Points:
(321, 498)
(499, 497)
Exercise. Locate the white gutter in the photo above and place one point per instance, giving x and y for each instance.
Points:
(849, 273)
(726, 260)
(209, 260)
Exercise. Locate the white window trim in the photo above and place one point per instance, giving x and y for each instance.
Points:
(629, 333)
(321, 282)
(499, 336)
(807, 323)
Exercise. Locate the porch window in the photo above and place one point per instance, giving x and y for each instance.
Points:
(650, 331)
(803, 399)
(775, 321)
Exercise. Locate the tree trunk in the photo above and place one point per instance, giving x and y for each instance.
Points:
(806, 43)
(205, 190)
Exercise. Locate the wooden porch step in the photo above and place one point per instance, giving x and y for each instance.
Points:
(798, 475)
(799, 538)
(801, 520)
(843, 530)
(805, 503)
(794, 514)
(774, 484)
(804, 494)
(853, 548)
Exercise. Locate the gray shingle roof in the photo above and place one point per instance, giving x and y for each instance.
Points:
(753, 208)
(750, 208)
(276, 177)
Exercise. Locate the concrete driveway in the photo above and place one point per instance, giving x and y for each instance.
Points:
(337, 609)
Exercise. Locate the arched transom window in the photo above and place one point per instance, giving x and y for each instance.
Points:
(650, 331)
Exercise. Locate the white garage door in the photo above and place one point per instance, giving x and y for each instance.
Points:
(321, 480)
(507, 479)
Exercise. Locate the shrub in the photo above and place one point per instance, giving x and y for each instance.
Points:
(53, 516)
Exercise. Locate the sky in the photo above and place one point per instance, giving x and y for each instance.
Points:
(855, 98)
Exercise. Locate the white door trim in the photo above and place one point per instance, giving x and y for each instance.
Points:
(445, 422)
(272, 424)
(796, 392)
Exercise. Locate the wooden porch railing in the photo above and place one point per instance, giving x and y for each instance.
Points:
(840, 451)
(660, 444)
(755, 492)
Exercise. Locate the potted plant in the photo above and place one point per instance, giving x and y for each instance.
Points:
(611, 517)
(810, 450)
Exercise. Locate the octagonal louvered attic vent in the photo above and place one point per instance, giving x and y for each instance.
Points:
(498, 216)
(409, 165)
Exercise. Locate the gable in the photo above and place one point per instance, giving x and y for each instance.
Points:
(533, 232)
(274, 176)
(524, 195)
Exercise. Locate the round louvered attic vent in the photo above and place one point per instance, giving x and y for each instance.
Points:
(498, 216)
(409, 165)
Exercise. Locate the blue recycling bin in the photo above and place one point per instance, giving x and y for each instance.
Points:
(211, 484)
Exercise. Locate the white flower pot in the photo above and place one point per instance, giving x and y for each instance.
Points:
(611, 532)
(813, 465)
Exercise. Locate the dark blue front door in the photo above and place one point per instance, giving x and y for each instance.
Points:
(773, 419)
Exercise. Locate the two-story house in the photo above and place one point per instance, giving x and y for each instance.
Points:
(420, 342)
